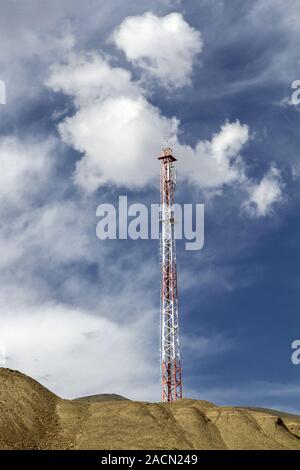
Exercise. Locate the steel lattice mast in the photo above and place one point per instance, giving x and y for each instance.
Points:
(170, 354)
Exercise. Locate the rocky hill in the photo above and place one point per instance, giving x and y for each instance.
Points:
(31, 417)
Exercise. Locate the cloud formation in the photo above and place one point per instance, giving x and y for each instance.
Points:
(25, 166)
(90, 77)
(265, 194)
(119, 138)
(46, 248)
(119, 131)
(163, 47)
(212, 164)
(76, 354)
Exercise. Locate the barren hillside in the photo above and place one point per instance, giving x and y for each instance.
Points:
(31, 417)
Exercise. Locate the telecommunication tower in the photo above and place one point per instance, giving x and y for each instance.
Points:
(171, 374)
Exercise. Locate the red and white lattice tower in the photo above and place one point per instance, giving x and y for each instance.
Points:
(170, 353)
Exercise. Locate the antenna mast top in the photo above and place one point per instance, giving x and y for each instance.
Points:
(167, 153)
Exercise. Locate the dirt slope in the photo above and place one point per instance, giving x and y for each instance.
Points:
(31, 417)
(103, 397)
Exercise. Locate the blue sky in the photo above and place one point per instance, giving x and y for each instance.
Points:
(93, 90)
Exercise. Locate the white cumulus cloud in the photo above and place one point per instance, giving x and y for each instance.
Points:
(163, 47)
(216, 162)
(90, 77)
(119, 138)
(265, 194)
(119, 132)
